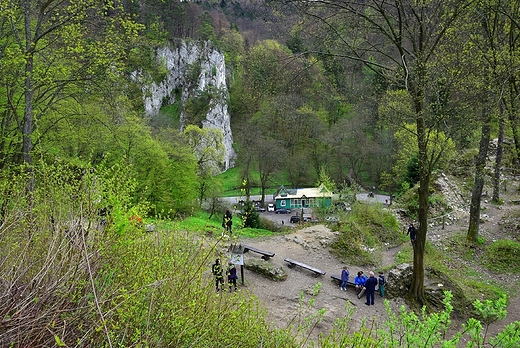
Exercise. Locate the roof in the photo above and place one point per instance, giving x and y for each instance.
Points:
(310, 192)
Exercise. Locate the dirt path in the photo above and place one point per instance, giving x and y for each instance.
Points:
(311, 246)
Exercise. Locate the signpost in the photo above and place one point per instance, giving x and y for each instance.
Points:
(236, 255)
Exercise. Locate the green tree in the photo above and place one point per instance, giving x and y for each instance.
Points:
(206, 144)
(399, 41)
(58, 51)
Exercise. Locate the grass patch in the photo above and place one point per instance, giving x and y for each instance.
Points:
(362, 231)
(254, 233)
(201, 223)
(232, 184)
(503, 256)
(473, 284)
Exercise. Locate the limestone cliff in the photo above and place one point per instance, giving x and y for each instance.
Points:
(192, 68)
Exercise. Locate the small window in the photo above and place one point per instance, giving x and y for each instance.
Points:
(282, 203)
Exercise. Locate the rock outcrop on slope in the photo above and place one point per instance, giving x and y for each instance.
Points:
(181, 62)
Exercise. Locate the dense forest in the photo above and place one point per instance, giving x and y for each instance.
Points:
(350, 93)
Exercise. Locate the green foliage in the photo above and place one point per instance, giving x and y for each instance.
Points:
(199, 222)
(490, 311)
(503, 256)
(364, 229)
(412, 170)
(250, 217)
(325, 180)
(197, 107)
(52, 241)
(409, 329)
(206, 32)
(405, 172)
(171, 298)
(247, 232)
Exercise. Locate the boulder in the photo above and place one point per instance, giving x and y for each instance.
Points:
(266, 269)
(398, 281)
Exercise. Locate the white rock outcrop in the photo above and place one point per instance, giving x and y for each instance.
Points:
(180, 62)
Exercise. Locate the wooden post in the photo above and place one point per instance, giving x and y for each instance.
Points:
(242, 274)
(443, 221)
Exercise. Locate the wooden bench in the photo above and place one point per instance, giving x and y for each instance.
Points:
(265, 254)
(293, 263)
(338, 278)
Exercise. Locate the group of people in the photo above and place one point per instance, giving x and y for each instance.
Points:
(365, 285)
(218, 272)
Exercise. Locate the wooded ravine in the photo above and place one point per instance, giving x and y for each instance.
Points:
(124, 124)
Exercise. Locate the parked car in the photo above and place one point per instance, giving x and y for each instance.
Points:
(270, 207)
(259, 208)
(295, 219)
(332, 219)
(283, 211)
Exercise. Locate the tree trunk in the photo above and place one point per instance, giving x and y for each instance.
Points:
(417, 286)
(480, 164)
(498, 159)
(27, 128)
(513, 119)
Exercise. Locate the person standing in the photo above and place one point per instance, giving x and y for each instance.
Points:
(216, 269)
(382, 281)
(370, 286)
(344, 277)
(227, 221)
(412, 231)
(232, 276)
(360, 283)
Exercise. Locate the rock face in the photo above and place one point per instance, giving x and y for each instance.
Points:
(398, 281)
(193, 67)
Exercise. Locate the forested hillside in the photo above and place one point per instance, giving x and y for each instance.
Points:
(354, 94)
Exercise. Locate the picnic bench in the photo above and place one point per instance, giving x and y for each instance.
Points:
(265, 254)
(338, 278)
(293, 263)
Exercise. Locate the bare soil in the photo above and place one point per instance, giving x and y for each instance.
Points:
(311, 245)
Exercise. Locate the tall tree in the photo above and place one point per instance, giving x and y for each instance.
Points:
(491, 38)
(399, 41)
(58, 51)
(206, 144)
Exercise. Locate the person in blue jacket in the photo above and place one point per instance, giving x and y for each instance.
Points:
(360, 283)
(344, 277)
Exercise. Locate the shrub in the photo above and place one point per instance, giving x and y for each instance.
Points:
(503, 256)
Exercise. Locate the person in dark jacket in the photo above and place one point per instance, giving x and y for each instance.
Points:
(344, 277)
(227, 221)
(370, 286)
(412, 231)
(216, 269)
(381, 282)
(232, 276)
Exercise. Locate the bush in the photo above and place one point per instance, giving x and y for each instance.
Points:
(503, 256)
(70, 279)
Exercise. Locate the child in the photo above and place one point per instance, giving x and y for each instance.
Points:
(344, 278)
(381, 283)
